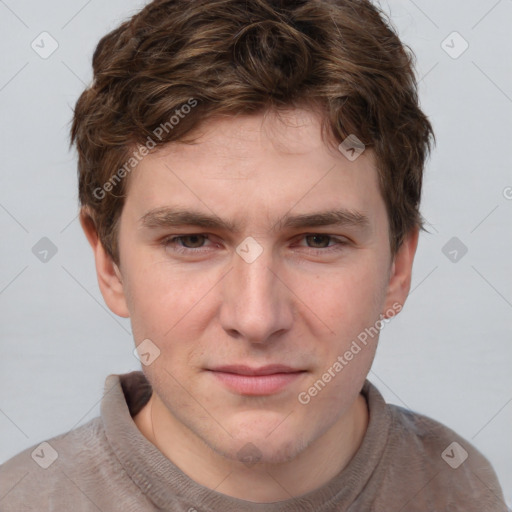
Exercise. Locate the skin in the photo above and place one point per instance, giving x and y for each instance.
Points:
(301, 302)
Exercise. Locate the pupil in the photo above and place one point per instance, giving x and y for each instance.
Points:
(194, 239)
(316, 237)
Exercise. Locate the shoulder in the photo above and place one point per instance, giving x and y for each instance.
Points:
(432, 440)
(34, 478)
(439, 467)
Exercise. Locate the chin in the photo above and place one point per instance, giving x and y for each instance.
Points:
(252, 448)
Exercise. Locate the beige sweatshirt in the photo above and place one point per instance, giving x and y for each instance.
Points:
(406, 462)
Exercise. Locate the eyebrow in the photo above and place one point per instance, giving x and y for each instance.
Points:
(167, 217)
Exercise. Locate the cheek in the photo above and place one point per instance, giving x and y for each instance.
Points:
(166, 303)
(349, 305)
(162, 310)
(345, 300)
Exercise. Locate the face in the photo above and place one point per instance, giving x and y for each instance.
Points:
(254, 260)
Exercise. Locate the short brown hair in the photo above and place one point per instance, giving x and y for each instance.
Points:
(233, 57)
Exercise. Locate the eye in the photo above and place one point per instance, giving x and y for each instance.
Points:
(198, 243)
(191, 241)
(319, 241)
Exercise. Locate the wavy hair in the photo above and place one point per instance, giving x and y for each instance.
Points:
(235, 57)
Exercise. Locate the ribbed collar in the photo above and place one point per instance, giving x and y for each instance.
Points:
(162, 481)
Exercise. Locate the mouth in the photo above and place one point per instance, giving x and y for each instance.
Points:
(265, 380)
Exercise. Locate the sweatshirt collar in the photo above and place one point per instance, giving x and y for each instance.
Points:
(166, 485)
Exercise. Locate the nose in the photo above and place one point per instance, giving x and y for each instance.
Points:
(256, 304)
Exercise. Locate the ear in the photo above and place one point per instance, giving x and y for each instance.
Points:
(400, 273)
(108, 273)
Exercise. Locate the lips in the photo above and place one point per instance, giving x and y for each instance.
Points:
(265, 380)
(264, 370)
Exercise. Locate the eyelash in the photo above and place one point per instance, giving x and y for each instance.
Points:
(172, 242)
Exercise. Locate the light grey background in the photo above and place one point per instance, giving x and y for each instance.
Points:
(448, 355)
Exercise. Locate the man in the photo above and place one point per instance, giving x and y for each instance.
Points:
(250, 177)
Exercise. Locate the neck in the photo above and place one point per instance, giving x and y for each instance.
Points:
(263, 482)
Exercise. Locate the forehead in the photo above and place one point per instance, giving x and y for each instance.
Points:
(266, 164)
